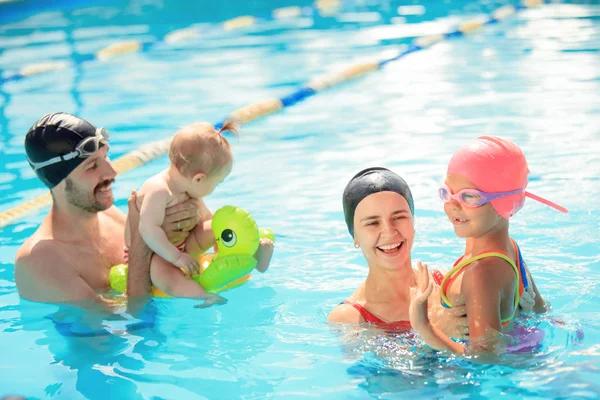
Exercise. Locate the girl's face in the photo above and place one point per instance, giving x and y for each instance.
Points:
(384, 229)
(469, 221)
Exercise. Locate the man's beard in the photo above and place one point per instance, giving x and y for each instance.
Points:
(84, 200)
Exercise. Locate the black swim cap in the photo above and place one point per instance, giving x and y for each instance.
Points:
(370, 181)
(56, 135)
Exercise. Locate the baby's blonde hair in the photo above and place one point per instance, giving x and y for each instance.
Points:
(200, 148)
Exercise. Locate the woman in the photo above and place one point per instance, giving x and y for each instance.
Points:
(379, 211)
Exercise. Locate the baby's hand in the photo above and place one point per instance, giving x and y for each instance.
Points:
(211, 299)
(263, 254)
(189, 264)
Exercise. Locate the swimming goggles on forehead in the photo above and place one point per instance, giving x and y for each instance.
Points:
(84, 149)
(473, 197)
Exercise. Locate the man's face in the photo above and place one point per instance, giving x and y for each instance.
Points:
(88, 187)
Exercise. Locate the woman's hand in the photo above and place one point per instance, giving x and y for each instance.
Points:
(418, 298)
(180, 219)
(527, 300)
(451, 321)
(419, 320)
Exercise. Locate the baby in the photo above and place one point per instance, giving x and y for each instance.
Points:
(201, 159)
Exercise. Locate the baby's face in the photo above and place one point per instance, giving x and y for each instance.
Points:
(210, 182)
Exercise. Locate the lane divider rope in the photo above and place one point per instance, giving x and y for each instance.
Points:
(151, 151)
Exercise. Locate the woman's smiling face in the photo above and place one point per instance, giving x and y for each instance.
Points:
(384, 229)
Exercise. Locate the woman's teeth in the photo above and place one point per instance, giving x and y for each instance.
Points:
(388, 248)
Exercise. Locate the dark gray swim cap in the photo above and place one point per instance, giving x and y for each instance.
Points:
(55, 135)
(370, 181)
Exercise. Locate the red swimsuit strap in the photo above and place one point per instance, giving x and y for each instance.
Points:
(366, 314)
(369, 317)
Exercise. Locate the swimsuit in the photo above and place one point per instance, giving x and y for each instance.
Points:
(520, 284)
(370, 318)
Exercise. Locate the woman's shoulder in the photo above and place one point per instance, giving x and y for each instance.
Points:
(345, 313)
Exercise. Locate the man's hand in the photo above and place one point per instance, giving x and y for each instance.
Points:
(180, 219)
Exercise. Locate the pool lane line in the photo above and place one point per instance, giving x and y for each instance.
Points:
(323, 8)
(151, 151)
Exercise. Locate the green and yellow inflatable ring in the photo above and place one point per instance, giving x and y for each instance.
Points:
(237, 237)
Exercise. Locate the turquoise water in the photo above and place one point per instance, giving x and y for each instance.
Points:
(534, 78)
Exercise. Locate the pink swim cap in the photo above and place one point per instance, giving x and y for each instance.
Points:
(495, 164)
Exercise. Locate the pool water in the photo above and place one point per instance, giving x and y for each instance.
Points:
(534, 78)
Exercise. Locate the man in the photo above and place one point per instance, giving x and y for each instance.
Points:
(70, 255)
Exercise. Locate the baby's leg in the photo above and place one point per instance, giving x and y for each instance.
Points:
(201, 238)
(172, 280)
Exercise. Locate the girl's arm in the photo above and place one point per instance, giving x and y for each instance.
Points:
(482, 288)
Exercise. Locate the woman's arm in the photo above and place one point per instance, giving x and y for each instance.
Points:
(482, 287)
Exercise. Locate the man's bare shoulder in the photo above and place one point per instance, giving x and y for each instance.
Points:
(35, 262)
(44, 273)
(39, 249)
(114, 214)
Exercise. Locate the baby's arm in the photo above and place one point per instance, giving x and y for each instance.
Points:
(152, 214)
(201, 238)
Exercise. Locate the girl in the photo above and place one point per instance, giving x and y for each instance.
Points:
(484, 187)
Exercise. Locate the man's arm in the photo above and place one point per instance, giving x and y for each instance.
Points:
(140, 255)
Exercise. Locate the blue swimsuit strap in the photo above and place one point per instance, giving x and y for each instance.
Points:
(522, 267)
